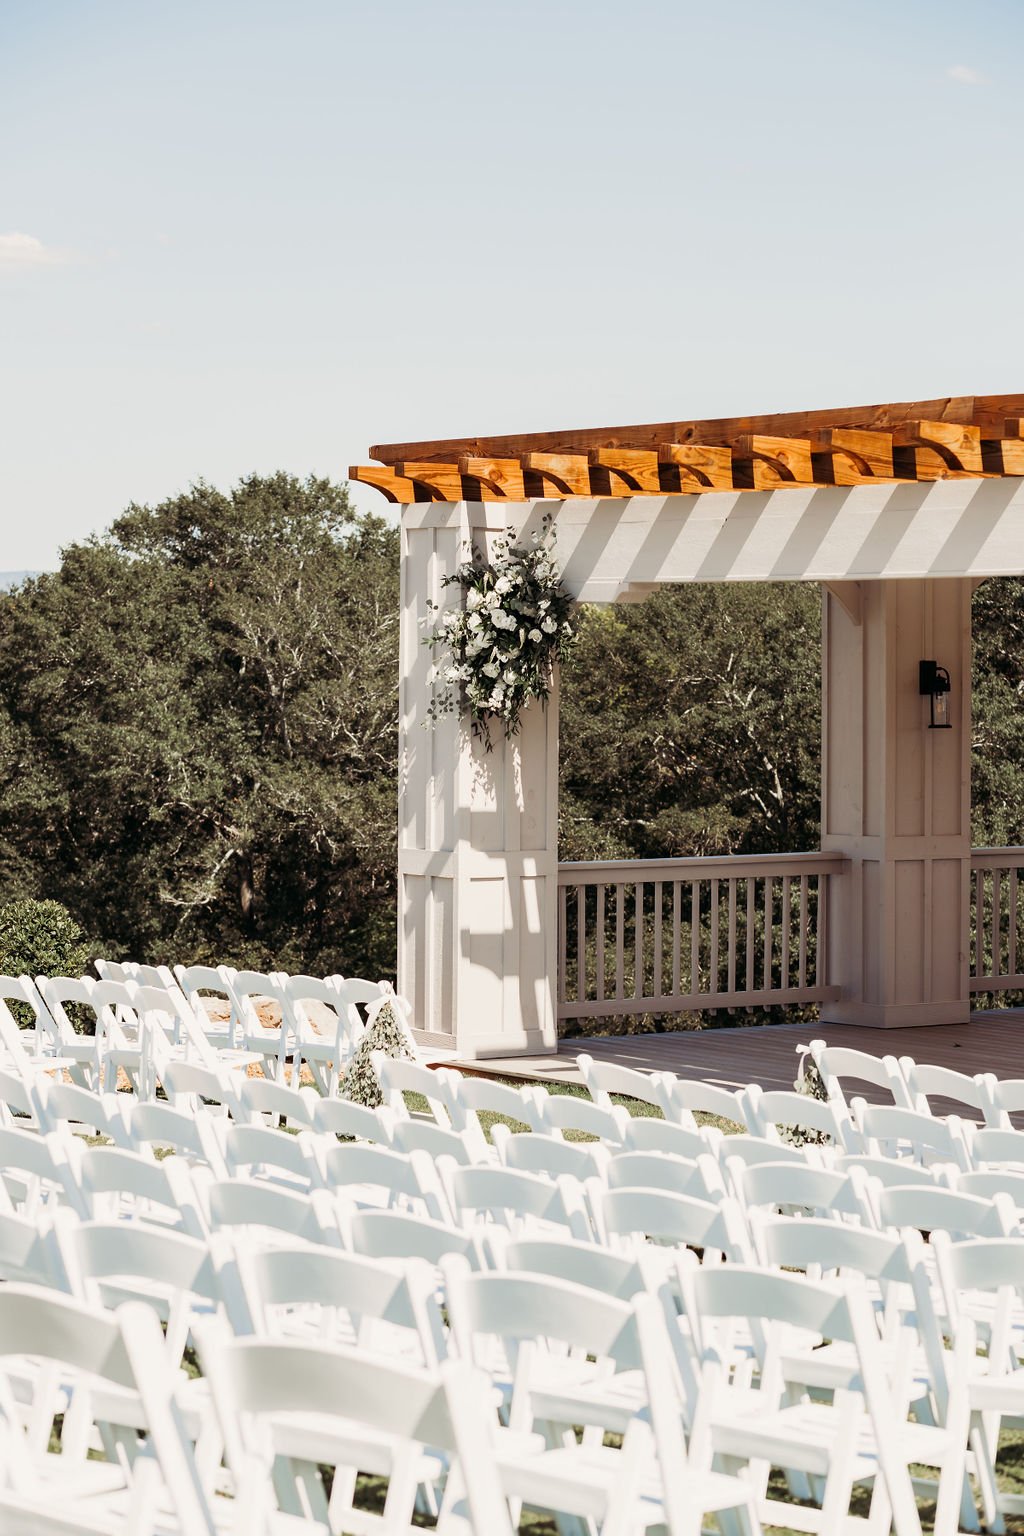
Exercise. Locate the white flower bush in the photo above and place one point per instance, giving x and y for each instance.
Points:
(516, 618)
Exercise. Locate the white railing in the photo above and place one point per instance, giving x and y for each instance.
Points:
(672, 935)
(996, 953)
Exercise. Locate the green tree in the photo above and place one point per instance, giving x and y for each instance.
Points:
(198, 736)
(691, 724)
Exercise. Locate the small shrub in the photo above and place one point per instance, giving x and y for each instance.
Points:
(40, 938)
(360, 1081)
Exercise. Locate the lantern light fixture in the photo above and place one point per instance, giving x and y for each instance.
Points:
(933, 681)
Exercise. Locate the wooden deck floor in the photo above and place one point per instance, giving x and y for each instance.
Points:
(766, 1054)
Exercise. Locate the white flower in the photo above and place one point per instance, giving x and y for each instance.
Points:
(451, 619)
(502, 620)
(503, 584)
(535, 635)
(544, 603)
(509, 679)
(474, 621)
(491, 669)
(452, 674)
(548, 626)
(473, 598)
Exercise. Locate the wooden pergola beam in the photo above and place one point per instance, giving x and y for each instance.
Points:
(987, 412)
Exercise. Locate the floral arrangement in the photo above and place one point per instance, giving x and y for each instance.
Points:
(502, 644)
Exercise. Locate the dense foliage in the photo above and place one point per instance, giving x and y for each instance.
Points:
(41, 938)
(198, 728)
(197, 731)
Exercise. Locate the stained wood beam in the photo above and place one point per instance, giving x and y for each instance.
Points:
(765, 463)
(700, 466)
(501, 478)
(556, 474)
(624, 471)
(987, 412)
(383, 478)
(956, 445)
(847, 456)
(441, 482)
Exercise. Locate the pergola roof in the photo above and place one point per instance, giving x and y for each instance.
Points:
(963, 437)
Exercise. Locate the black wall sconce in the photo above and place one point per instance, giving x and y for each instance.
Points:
(934, 681)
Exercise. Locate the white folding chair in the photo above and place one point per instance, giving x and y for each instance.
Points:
(925, 1083)
(364, 1174)
(631, 1219)
(771, 1113)
(560, 1112)
(699, 1176)
(403, 1235)
(272, 1213)
(603, 1078)
(837, 1063)
(892, 1132)
(259, 1152)
(520, 1202)
(116, 1184)
(548, 1155)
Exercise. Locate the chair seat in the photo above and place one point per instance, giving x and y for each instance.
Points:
(802, 1437)
(580, 1480)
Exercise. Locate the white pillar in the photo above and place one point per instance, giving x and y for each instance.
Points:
(896, 801)
(477, 831)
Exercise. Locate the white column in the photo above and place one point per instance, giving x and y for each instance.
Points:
(477, 831)
(896, 801)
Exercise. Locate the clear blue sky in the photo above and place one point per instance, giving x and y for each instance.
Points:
(238, 235)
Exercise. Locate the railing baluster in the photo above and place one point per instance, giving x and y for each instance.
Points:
(769, 936)
(979, 922)
(638, 940)
(1012, 925)
(695, 938)
(620, 942)
(731, 951)
(787, 933)
(677, 929)
(997, 923)
(803, 932)
(581, 941)
(563, 942)
(751, 924)
(658, 984)
(713, 967)
(599, 943)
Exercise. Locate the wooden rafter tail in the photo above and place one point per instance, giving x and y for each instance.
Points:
(946, 443)
(1005, 455)
(554, 476)
(498, 479)
(766, 463)
(384, 479)
(433, 482)
(846, 456)
(624, 472)
(698, 466)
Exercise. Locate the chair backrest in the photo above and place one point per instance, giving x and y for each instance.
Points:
(29, 1252)
(429, 1137)
(471, 1095)
(889, 1130)
(170, 1262)
(398, 1077)
(367, 1290)
(885, 1170)
(603, 1078)
(646, 1134)
(550, 1155)
(561, 1112)
(350, 1166)
(340, 1117)
(246, 1203)
(522, 1308)
(187, 1083)
(677, 1220)
(263, 1098)
(132, 1178)
(403, 1235)
(55, 991)
(988, 1182)
(926, 1082)
(266, 1153)
(945, 1210)
(1005, 1097)
(22, 990)
(64, 1103)
(663, 1170)
(788, 1186)
(613, 1274)
(689, 1098)
(839, 1063)
(992, 1145)
(782, 1108)
(155, 1124)
(832, 1247)
(761, 1149)
(506, 1194)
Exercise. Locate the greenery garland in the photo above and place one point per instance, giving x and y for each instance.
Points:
(514, 624)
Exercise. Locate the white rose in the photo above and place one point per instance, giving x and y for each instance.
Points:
(473, 599)
(509, 679)
(535, 635)
(475, 621)
(491, 669)
(452, 674)
(503, 584)
(548, 626)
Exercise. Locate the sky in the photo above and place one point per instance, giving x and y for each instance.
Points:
(239, 236)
